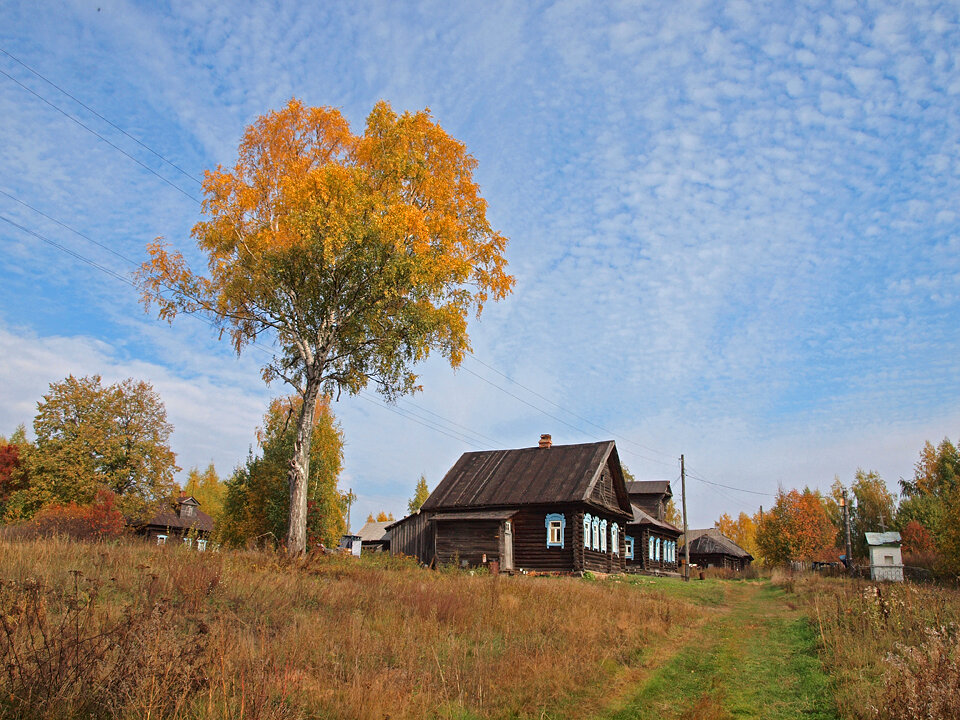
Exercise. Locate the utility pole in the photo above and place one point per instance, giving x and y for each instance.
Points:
(846, 525)
(349, 505)
(686, 542)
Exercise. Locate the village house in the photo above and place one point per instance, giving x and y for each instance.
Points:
(551, 508)
(374, 536)
(651, 541)
(183, 522)
(711, 548)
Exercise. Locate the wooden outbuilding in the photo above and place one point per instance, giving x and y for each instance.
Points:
(375, 536)
(711, 548)
(551, 508)
(183, 522)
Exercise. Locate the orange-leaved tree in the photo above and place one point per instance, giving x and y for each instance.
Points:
(798, 527)
(355, 255)
(743, 531)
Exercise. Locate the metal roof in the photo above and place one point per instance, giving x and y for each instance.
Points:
(883, 538)
(557, 474)
(479, 515)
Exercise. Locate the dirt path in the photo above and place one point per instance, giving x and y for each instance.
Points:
(756, 660)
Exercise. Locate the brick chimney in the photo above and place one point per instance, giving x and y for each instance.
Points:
(545, 441)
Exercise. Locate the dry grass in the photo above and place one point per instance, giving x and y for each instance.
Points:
(892, 648)
(132, 630)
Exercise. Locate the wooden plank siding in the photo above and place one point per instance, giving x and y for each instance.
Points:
(413, 536)
(467, 542)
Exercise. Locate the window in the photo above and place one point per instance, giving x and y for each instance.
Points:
(188, 542)
(603, 536)
(587, 523)
(596, 534)
(161, 539)
(888, 559)
(186, 510)
(615, 538)
(651, 547)
(628, 541)
(201, 545)
(671, 551)
(555, 523)
(657, 546)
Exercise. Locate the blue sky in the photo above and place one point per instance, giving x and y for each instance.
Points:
(734, 226)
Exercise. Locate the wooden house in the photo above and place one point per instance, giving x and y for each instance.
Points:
(651, 541)
(374, 536)
(184, 522)
(652, 544)
(549, 508)
(711, 548)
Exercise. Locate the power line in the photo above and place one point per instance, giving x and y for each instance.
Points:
(82, 258)
(67, 227)
(566, 410)
(111, 124)
(385, 406)
(168, 182)
(728, 487)
(94, 132)
(67, 250)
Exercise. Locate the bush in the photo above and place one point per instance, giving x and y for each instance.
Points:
(98, 521)
(923, 682)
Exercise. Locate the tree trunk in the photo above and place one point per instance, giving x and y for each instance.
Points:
(299, 473)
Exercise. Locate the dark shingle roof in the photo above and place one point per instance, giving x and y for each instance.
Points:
(169, 519)
(710, 541)
(649, 487)
(497, 478)
(641, 517)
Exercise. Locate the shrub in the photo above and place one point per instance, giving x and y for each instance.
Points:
(923, 682)
(98, 521)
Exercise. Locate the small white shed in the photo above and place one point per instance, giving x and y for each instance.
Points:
(886, 562)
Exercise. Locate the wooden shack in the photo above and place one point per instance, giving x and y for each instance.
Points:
(711, 548)
(183, 522)
(548, 508)
(375, 536)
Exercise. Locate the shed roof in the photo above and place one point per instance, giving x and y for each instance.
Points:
(710, 541)
(496, 478)
(479, 515)
(374, 531)
(884, 538)
(642, 517)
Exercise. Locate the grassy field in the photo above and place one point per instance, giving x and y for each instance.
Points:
(135, 631)
(893, 650)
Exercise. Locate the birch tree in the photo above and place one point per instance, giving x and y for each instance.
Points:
(354, 255)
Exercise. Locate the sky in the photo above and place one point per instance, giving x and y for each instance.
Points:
(733, 226)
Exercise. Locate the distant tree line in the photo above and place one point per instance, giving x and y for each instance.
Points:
(806, 525)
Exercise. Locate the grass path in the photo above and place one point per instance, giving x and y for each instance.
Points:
(755, 658)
